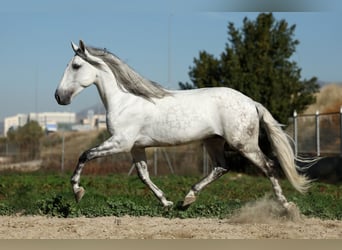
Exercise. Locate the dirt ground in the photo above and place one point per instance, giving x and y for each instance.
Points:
(261, 220)
(38, 227)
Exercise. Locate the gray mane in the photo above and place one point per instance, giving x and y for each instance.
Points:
(127, 79)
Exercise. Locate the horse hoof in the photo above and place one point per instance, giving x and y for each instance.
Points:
(181, 207)
(290, 206)
(79, 194)
(167, 204)
(188, 201)
(292, 212)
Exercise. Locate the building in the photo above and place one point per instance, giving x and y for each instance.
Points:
(49, 121)
(14, 122)
(91, 122)
(53, 119)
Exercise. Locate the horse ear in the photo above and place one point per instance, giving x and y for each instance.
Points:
(74, 47)
(82, 46)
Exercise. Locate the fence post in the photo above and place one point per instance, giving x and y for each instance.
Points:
(295, 133)
(317, 134)
(167, 158)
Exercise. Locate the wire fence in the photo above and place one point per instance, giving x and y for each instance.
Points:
(14, 152)
(317, 134)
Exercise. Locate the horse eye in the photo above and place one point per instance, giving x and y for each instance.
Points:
(76, 66)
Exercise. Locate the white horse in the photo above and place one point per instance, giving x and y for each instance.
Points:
(141, 114)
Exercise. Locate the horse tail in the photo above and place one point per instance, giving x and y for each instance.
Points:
(281, 146)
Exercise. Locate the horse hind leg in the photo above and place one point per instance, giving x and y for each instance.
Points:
(215, 148)
(267, 166)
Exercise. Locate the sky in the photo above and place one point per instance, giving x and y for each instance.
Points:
(159, 39)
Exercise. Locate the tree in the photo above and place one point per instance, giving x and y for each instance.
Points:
(27, 138)
(257, 61)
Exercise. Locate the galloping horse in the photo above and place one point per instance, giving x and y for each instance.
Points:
(140, 113)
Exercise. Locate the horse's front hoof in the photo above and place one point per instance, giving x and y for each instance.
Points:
(167, 204)
(79, 194)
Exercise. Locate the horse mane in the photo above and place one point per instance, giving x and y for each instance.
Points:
(128, 79)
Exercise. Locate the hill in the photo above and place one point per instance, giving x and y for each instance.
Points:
(328, 99)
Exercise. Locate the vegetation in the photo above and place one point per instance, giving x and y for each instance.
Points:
(258, 62)
(27, 138)
(120, 195)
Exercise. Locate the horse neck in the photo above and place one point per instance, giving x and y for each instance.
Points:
(111, 94)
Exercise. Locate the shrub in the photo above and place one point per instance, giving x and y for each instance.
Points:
(57, 206)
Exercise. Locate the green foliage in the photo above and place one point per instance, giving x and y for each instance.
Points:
(30, 133)
(322, 201)
(27, 138)
(5, 209)
(119, 195)
(258, 62)
(57, 206)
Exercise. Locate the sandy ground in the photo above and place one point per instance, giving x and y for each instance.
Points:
(258, 221)
(37, 227)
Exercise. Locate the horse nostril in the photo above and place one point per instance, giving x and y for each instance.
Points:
(58, 99)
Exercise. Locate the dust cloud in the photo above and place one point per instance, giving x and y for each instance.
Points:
(266, 211)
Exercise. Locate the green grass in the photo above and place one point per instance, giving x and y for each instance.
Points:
(51, 194)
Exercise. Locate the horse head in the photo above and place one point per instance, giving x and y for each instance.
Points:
(79, 74)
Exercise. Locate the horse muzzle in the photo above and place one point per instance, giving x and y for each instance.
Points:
(62, 99)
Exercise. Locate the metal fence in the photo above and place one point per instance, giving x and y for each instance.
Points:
(317, 134)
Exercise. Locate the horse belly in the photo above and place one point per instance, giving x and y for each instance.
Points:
(196, 115)
(182, 124)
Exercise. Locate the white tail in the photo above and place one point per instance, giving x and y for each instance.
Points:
(282, 148)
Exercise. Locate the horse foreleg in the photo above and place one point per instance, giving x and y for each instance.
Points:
(109, 147)
(75, 179)
(139, 158)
